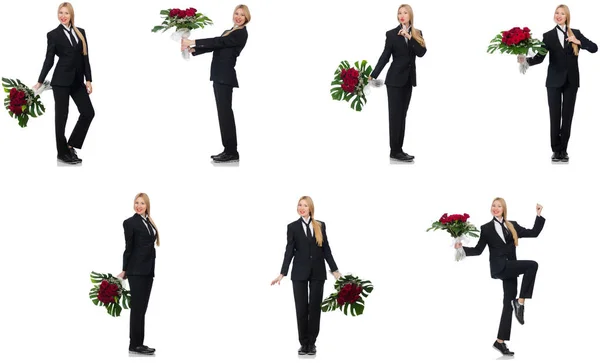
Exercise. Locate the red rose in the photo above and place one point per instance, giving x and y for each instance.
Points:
(526, 30)
(190, 12)
(13, 92)
(181, 14)
(17, 110)
(173, 13)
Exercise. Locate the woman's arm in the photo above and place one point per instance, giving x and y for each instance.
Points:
(198, 51)
(49, 61)
(234, 39)
(88, 69)
(478, 249)
(384, 58)
(587, 44)
(289, 251)
(538, 58)
(530, 233)
(418, 48)
(128, 244)
(327, 251)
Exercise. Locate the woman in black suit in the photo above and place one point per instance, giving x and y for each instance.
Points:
(502, 237)
(404, 43)
(307, 245)
(563, 44)
(138, 268)
(69, 43)
(226, 49)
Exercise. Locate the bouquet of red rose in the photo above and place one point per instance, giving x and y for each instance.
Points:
(183, 21)
(110, 293)
(517, 41)
(21, 101)
(351, 83)
(458, 227)
(350, 291)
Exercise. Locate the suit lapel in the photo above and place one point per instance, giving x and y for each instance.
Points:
(494, 233)
(143, 224)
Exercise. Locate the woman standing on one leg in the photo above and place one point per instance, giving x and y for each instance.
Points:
(563, 44)
(502, 237)
(404, 43)
(69, 43)
(226, 49)
(138, 268)
(307, 244)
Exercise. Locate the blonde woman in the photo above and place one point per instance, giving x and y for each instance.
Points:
(562, 82)
(226, 49)
(307, 245)
(70, 44)
(502, 237)
(404, 43)
(138, 267)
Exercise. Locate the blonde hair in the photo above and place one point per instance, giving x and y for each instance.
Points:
(316, 224)
(246, 15)
(72, 21)
(567, 22)
(416, 33)
(144, 196)
(510, 226)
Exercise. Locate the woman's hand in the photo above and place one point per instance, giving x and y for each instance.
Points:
(538, 209)
(457, 245)
(37, 86)
(370, 78)
(88, 86)
(337, 275)
(404, 33)
(186, 43)
(277, 280)
(520, 59)
(122, 275)
(572, 39)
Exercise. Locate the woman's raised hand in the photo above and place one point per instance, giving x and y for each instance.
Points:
(538, 209)
(277, 280)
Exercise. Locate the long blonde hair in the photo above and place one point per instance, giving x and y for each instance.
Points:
(567, 22)
(416, 33)
(316, 224)
(72, 13)
(246, 14)
(144, 196)
(510, 226)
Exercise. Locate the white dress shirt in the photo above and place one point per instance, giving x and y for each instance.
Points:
(308, 221)
(69, 30)
(499, 227)
(561, 35)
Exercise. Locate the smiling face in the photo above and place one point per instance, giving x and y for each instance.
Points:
(560, 16)
(239, 18)
(64, 16)
(140, 206)
(303, 208)
(497, 209)
(404, 15)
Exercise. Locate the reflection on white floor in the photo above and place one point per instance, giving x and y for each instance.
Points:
(231, 163)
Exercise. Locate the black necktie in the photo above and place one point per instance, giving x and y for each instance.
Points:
(504, 230)
(566, 42)
(73, 41)
(308, 234)
(150, 228)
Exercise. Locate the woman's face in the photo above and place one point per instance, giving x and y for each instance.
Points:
(140, 206)
(560, 17)
(497, 209)
(403, 16)
(303, 209)
(64, 16)
(239, 18)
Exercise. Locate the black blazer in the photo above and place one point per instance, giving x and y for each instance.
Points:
(403, 65)
(71, 61)
(501, 252)
(563, 63)
(307, 254)
(225, 52)
(139, 255)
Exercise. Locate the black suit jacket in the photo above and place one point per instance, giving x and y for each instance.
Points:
(403, 66)
(307, 254)
(139, 255)
(501, 252)
(225, 52)
(563, 63)
(71, 64)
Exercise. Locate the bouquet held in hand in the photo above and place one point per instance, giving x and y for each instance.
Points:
(21, 102)
(184, 21)
(108, 291)
(517, 41)
(349, 296)
(458, 227)
(350, 83)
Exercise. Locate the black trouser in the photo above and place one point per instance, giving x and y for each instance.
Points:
(561, 102)
(223, 97)
(140, 295)
(509, 281)
(82, 100)
(398, 101)
(308, 309)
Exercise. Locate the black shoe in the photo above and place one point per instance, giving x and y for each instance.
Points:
(150, 349)
(217, 156)
(502, 348)
(303, 350)
(402, 156)
(67, 159)
(519, 311)
(564, 157)
(74, 155)
(226, 158)
(556, 156)
(141, 350)
(312, 350)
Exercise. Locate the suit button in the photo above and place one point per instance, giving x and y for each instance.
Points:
(310, 256)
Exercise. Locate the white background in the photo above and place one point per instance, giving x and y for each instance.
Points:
(478, 128)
